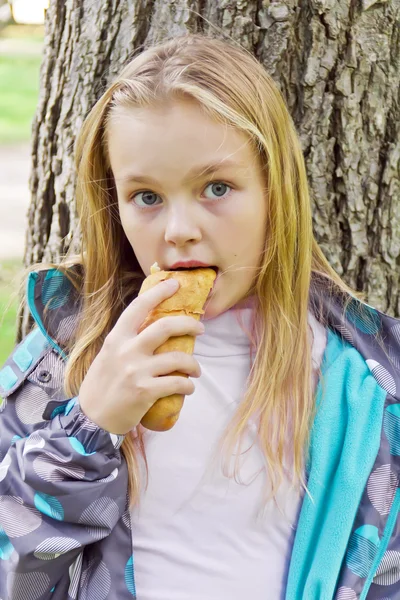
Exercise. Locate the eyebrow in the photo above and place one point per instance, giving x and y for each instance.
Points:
(194, 173)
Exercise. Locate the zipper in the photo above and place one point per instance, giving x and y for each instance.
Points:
(387, 534)
(30, 289)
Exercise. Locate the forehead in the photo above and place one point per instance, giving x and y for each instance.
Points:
(175, 135)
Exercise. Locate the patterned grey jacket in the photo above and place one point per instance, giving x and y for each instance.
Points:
(65, 529)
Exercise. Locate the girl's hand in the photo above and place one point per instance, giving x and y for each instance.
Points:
(126, 378)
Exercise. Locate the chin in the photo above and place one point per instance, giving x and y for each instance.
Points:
(210, 313)
(219, 303)
(212, 309)
(215, 306)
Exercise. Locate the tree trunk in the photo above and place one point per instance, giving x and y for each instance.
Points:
(337, 62)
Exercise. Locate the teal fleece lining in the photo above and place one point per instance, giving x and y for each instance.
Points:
(345, 440)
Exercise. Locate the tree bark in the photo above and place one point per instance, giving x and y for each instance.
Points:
(337, 63)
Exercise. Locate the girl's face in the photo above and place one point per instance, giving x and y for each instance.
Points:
(190, 188)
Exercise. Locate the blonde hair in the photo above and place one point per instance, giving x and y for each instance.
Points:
(233, 87)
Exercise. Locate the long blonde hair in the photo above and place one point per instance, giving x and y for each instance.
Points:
(234, 88)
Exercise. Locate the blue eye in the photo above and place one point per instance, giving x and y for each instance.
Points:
(149, 198)
(218, 188)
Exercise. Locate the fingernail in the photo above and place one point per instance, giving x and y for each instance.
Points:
(172, 283)
(201, 328)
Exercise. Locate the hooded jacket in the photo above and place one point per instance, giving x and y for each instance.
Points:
(65, 528)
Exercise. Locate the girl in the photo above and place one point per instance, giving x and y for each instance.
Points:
(280, 478)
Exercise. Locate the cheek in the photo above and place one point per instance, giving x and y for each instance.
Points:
(246, 216)
(246, 237)
(130, 225)
(135, 236)
(256, 228)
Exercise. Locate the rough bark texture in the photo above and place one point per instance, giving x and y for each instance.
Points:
(337, 63)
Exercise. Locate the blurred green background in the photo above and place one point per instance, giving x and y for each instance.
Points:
(9, 280)
(20, 58)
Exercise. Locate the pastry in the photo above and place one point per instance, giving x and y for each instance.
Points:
(189, 299)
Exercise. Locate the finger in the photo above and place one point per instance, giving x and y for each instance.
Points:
(161, 387)
(160, 331)
(170, 362)
(137, 311)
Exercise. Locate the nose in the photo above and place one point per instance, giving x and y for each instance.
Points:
(181, 227)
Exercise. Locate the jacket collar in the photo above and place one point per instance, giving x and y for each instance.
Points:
(55, 304)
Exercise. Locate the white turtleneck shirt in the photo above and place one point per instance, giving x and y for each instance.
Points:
(197, 534)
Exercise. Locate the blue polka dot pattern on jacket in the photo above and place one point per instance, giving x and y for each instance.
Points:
(48, 505)
(362, 550)
(391, 427)
(6, 547)
(129, 577)
(78, 446)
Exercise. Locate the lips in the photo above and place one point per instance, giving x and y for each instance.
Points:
(195, 268)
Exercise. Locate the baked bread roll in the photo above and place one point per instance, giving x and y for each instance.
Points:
(195, 286)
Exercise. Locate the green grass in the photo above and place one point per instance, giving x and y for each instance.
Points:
(19, 89)
(19, 80)
(10, 272)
